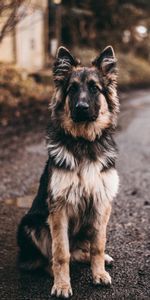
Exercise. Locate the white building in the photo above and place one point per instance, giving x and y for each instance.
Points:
(26, 46)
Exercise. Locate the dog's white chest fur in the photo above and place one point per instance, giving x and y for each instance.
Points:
(85, 181)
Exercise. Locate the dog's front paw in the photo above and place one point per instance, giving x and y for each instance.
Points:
(102, 278)
(61, 290)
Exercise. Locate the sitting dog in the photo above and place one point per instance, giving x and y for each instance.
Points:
(69, 215)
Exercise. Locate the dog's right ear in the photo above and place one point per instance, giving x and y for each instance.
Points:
(63, 65)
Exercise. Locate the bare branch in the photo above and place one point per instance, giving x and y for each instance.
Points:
(11, 12)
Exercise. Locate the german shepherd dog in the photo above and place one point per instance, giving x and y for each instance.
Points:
(69, 215)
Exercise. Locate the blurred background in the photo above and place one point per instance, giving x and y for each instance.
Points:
(30, 33)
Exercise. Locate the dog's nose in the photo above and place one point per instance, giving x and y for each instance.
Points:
(82, 106)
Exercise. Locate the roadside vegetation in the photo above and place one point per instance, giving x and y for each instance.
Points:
(22, 99)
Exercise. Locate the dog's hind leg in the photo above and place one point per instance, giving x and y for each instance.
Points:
(34, 242)
(108, 260)
(81, 251)
(82, 254)
(33, 233)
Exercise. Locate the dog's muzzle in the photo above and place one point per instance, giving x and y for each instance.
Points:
(82, 113)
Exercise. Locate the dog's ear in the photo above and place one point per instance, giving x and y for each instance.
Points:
(106, 61)
(63, 65)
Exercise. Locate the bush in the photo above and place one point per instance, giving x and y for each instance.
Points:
(22, 100)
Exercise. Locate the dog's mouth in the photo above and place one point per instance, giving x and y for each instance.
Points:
(80, 118)
(83, 116)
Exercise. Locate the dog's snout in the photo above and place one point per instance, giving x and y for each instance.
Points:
(82, 111)
(82, 105)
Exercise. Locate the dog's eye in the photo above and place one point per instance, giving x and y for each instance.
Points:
(73, 88)
(94, 89)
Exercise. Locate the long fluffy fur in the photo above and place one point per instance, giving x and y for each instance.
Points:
(79, 181)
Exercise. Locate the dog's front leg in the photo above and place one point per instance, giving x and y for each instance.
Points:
(97, 251)
(60, 254)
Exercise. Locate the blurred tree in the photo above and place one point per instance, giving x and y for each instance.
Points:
(96, 23)
(10, 14)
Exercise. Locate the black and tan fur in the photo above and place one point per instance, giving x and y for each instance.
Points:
(69, 215)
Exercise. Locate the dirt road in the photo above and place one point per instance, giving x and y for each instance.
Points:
(22, 156)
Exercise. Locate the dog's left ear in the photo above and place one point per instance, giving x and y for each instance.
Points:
(63, 65)
(106, 61)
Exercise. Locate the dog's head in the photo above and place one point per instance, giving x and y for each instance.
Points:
(85, 102)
